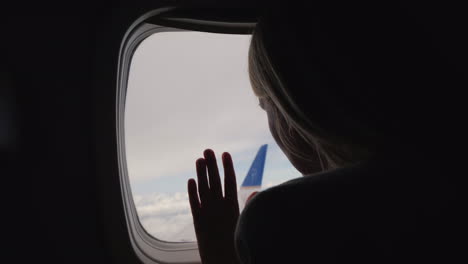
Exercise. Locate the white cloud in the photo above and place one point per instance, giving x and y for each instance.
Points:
(166, 217)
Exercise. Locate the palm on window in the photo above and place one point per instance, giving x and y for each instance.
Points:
(214, 216)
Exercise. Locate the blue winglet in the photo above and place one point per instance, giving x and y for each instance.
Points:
(255, 174)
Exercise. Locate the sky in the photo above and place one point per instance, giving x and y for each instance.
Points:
(189, 91)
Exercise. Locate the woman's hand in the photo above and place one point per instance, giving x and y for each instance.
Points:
(214, 216)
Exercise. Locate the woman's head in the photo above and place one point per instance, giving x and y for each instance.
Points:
(304, 142)
(349, 83)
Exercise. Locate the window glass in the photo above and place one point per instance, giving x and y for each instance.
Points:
(189, 91)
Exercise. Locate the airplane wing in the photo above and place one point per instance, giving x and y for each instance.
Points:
(253, 180)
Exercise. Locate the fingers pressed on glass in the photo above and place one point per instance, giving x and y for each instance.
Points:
(193, 198)
(203, 188)
(230, 185)
(213, 174)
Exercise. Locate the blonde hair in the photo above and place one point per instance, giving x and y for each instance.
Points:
(291, 121)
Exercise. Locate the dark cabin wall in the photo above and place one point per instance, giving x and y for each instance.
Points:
(55, 213)
(61, 192)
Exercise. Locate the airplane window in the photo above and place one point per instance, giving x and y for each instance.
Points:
(188, 91)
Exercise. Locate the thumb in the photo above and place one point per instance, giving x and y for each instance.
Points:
(251, 196)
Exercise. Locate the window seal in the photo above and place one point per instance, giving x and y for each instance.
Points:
(168, 19)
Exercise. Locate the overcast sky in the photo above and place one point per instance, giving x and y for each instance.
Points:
(189, 91)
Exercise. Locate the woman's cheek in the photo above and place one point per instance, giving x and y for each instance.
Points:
(273, 129)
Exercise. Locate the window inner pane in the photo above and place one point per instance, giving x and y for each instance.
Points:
(189, 91)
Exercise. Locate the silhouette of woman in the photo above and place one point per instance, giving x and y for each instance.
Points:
(339, 86)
